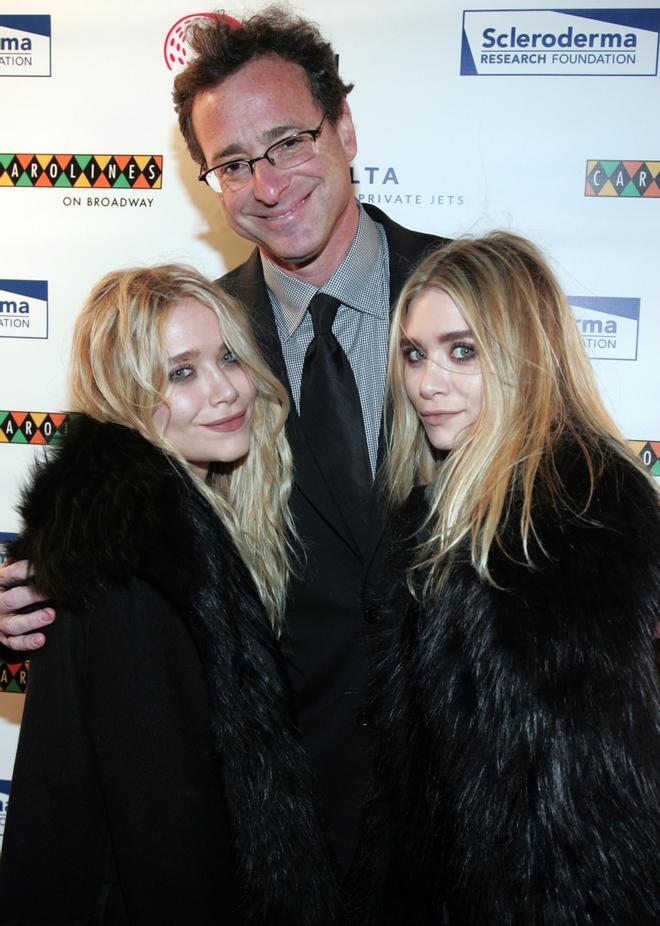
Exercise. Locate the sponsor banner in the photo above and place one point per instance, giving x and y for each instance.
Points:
(32, 427)
(14, 676)
(575, 43)
(623, 178)
(23, 309)
(384, 185)
(24, 46)
(108, 202)
(609, 326)
(98, 171)
(176, 50)
(649, 453)
(5, 538)
(5, 787)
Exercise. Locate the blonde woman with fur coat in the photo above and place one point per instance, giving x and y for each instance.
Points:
(160, 778)
(523, 758)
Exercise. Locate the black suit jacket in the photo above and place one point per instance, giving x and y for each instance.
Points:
(330, 619)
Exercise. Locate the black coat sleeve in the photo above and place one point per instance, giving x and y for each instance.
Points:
(116, 812)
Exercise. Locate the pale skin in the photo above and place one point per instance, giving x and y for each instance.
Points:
(442, 372)
(20, 632)
(304, 220)
(209, 398)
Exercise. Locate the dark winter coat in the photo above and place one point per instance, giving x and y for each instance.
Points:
(160, 778)
(526, 723)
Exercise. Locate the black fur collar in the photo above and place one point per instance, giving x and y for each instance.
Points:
(523, 755)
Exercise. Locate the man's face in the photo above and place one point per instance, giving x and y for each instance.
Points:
(304, 217)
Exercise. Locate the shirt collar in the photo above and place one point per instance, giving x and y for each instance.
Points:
(352, 282)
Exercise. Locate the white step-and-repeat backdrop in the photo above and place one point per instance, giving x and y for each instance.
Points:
(540, 121)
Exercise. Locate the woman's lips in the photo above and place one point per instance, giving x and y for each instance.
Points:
(438, 417)
(227, 424)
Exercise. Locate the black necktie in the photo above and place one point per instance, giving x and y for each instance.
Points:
(331, 417)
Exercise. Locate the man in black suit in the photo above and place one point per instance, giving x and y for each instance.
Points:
(264, 113)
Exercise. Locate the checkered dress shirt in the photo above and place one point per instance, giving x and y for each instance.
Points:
(361, 326)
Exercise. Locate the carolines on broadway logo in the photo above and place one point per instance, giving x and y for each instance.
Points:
(100, 171)
(23, 309)
(32, 427)
(608, 326)
(176, 50)
(623, 178)
(649, 453)
(14, 676)
(24, 46)
(576, 43)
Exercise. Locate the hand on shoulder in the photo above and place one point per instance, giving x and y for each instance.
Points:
(21, 632)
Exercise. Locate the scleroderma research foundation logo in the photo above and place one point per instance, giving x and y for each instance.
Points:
(25, 45)
(23, 308)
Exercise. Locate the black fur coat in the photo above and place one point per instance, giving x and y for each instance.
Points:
(526, 727)
(183, 784)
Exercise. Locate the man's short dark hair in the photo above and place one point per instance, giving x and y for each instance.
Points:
(222, 48)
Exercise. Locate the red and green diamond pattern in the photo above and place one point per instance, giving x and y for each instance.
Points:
(14, 676)
(32, 427)
(98, 171)
(623, 178)
(649, 453)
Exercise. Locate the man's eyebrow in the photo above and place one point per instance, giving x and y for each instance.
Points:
(267, 139)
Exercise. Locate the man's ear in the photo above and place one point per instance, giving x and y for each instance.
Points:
(346, 131)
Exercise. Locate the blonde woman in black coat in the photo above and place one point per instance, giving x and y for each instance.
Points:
(159, 776)
(524, 757)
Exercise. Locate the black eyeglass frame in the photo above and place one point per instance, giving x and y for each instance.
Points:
(314, 133)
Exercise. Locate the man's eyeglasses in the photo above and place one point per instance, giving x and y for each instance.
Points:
(289, 152)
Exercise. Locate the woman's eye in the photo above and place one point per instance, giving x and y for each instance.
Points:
(180, 373)
(463, 352)
(413, 354)
(229, 357)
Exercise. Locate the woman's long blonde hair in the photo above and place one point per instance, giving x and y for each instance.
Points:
(538, 389)
(119, 373)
